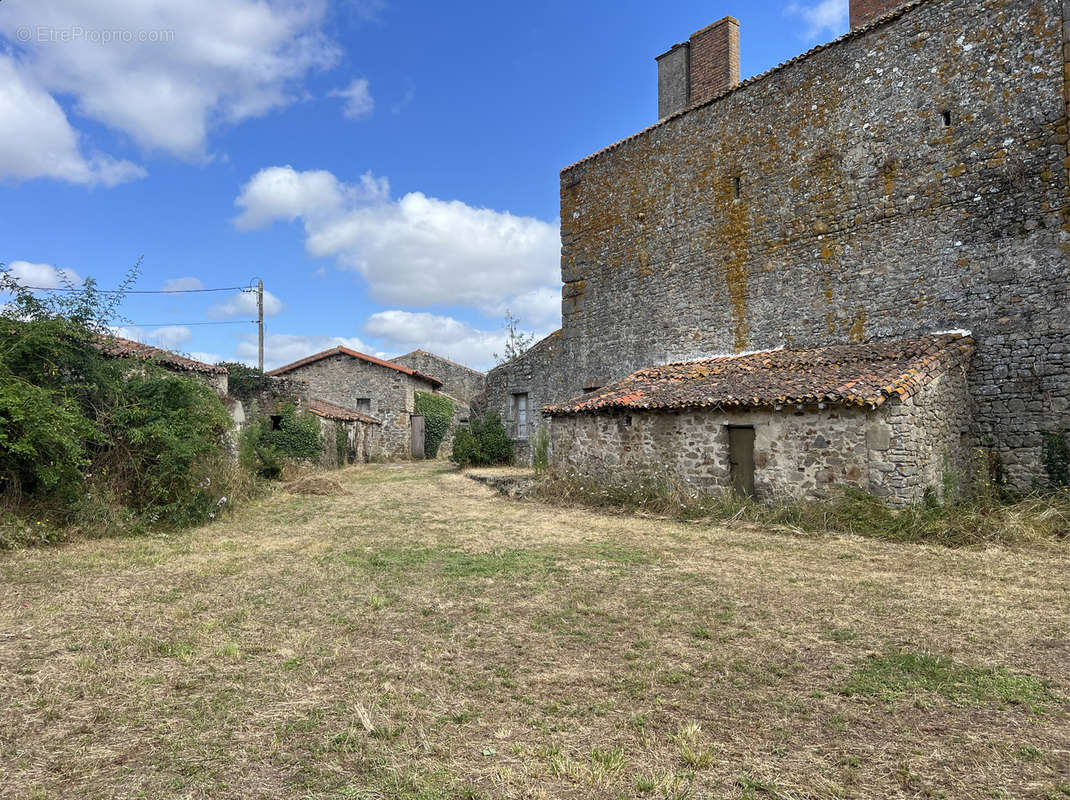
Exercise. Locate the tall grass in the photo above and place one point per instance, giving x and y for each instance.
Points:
(975, 520)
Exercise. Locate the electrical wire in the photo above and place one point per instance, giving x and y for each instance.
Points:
(185, 324)
(140, 291)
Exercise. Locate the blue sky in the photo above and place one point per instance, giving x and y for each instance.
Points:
(390, 169)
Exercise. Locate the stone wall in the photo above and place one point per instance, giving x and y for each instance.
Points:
(897, 451)
(361, 441)
(344, 380)
(908, 178)
(922, 442)
(458, 381)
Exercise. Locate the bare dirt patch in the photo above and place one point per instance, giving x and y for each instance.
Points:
(422, 637)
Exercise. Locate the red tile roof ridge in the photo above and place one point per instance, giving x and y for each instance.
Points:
(322, 408)
(342, 350)
(847, 374)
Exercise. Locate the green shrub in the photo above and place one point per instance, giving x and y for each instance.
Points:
(1057, 458)
(168, 434)
(438, 412)
(244, 381)
(483, 442)
(540, 450)
(269, 442)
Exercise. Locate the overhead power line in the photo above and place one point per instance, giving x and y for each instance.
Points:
(142, 291)
(185, 324)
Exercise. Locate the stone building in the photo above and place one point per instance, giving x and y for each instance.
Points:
(379, 389)
(458, 381)
(889, 417)
(348, 436)
(909, 177)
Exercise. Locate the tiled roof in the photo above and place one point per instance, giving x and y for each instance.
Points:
(127, 348)
(852, 34)
(345, 351)
(850, 374)
(322, 408)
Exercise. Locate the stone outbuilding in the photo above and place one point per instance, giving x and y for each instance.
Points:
(458, 381)
(379, 389)
(348, 436)
(890, 417)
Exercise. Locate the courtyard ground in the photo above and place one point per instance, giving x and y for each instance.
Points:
(423, 637)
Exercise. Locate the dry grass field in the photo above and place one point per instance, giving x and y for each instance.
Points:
(421, 637)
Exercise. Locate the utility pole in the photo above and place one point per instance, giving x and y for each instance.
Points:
(260, 324)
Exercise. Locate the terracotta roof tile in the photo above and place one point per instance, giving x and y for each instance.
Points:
(336, 351)
(851, 374)
(322, 408)
(127, 348)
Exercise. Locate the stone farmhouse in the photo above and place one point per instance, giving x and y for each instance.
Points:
(215, 376)
(458, 381)
(381, 390)
(757, 289)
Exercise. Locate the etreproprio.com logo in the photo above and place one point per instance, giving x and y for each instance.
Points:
(46, 34)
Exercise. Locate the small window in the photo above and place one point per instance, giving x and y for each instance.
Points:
(587, 389)
(276, 421)
(737, 187)
(946, 116)
(364, 404)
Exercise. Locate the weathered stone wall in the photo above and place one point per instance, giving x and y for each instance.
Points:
(797, 454)
(860, 215)
(462, 414)
(458, 381)
(897, 451)
(916, 444)
(360, 441)
(343, 380)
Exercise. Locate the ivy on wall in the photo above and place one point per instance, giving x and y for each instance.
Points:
(437, 410)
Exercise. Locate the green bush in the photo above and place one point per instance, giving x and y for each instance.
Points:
(94, 444)
(168, 433)
(244, 381)
(438, 412)
(268, 443)
(483, 442)
(540, 450)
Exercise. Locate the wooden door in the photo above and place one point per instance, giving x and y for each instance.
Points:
(416, 426)
(741, 459)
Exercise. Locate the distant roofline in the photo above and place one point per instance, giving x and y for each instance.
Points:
(440, 358)
(130, 348)
(851, 34)
(345, 351)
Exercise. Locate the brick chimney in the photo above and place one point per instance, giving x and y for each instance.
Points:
(864, 12)
(700, 68)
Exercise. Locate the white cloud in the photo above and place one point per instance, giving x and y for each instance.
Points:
(824, 17)
(167, 337)
(283, 348)
(38, 140)
(207, 358)
(358, 100)
(163, 73)
(44, 276)
(402, 331)
(182, 284)
(416, 250)
(244, 304)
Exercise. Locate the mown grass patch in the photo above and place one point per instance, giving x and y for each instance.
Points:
(453, 563)
(894, 675)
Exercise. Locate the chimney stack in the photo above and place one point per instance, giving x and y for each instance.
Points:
(864, 12)
(700, 68)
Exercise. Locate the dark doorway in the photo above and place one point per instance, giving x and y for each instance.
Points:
(417, 427)
(741, 458)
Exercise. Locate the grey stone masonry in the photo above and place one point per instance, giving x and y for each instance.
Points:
(910, 177)
(458, 381)
(347, 381)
